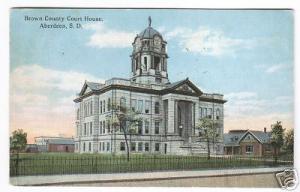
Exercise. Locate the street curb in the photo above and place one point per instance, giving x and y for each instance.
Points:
(144, 179)
(117, 180)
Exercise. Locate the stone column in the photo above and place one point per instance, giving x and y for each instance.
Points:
(171, 116)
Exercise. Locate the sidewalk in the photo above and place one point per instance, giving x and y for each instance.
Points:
(144, 176)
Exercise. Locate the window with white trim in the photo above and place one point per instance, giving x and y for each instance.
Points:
(249, 148)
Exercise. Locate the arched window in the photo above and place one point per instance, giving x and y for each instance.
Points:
(145, 63)
(218, 114)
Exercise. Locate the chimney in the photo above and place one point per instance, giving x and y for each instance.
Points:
(265, 129)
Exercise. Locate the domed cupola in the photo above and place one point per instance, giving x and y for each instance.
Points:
(149, 57)
(149, 32)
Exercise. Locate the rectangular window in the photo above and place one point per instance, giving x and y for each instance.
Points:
(103, 129)
(123, 104)
(84, 128)
(140, 106)
(108, 127)
(108, 104)
(91, 108)
(100, 146)
(103, 146)
(249, 149)
(100, 106)
(140, 127)
(147, 107)
(140, 146)
(132, 146)
(146, 127)
(90, 146)
(133, 104)
(122, 146)
(77, 114)
(104, 106)
(100, 128)
(156, 127)
(205, 112)
(146, 146)
(91, 128)
(157, 145)
(83, 146)
(209, 113)
(200, 112)
(107, 146)
(156, 108)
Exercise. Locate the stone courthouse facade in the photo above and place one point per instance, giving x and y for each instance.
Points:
(169, 111)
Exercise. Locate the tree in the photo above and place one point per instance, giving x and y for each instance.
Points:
(289, 140)
(125, 120)
(277, 134)
(18, 141)
(208, 131)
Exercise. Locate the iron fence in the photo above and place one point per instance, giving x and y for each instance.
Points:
(88, 164)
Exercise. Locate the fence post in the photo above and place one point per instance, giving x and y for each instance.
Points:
(17, 164)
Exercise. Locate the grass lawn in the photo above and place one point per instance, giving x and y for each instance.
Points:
(71, 163)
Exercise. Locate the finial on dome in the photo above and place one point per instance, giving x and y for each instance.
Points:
(149, 20)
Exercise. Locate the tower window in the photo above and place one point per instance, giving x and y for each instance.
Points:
(136, 63)
(218, 114)
(158, 80)
(156, 63)
(145, 63)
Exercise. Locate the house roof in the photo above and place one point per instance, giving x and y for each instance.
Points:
(61, 141)
(233, 138)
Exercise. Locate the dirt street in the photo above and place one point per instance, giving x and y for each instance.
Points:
(257, 180)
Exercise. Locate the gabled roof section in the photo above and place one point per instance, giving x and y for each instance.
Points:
(91, 85)
(260, 136)
(233, 137)
(183, 86)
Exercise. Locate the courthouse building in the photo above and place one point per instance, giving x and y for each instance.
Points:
(169, 111)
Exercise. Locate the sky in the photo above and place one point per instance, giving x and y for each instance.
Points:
(246, 55)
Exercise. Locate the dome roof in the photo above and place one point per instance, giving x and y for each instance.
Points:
(148, 33)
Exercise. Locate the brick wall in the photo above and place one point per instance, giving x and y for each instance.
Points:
(60, 148)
